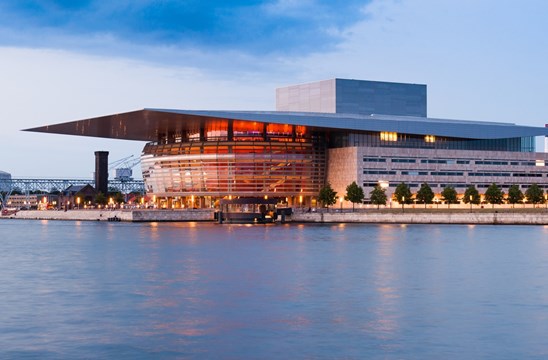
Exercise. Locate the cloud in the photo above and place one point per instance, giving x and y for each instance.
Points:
(480, 61)
(254, 27)
(42, 86)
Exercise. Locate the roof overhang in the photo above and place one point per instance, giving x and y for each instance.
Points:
(148, 124)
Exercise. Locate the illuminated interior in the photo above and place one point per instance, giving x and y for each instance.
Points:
(242, 158)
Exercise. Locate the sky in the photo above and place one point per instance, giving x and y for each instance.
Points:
(65, 60)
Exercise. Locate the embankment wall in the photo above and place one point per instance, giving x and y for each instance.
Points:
(524, 218)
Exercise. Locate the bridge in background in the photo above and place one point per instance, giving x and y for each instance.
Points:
(32, 186)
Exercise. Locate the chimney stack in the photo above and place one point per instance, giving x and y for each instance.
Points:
(101, 172)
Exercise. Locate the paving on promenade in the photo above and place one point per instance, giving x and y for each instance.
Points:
(525, 216)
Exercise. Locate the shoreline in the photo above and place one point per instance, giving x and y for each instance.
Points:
(530, 216)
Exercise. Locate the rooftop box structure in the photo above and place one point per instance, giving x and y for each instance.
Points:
(354, 97)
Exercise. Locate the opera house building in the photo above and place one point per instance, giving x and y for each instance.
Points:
(336, 131)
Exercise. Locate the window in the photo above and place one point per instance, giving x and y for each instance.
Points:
(379, 172)
(434, 161)
(491, 162)
(403, 160)
(389, 136)
(373, 160)
(430, 138)
(446, 173)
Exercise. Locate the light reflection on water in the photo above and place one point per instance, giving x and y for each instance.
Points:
(117, 290)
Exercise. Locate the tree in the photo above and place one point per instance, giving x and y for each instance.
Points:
(449, 195)
(354, 194)
(402, 194)
(473, 194)
(327, 196)
(494, 195)
(425, 194)
(378, 196)
(118, 198)
(101, 199)
(514, 195)
(534, 194)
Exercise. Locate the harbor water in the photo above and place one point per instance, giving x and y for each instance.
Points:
(95, 290)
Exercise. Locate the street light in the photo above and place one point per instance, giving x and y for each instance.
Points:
(403, 204)
(470, 203)
(78, 202)
(341, 200)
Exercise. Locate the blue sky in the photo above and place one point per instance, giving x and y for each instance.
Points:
(68, 60)
(257, 27)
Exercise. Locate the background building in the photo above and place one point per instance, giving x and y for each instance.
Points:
(335, 131)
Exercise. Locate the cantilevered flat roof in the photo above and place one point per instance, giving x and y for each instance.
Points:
(148, 124)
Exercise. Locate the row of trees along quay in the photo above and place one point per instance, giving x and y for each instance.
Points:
(403, 195)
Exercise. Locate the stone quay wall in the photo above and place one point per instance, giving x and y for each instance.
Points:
(123, 215)
(518, 218)
(446, 217)
(172, 215)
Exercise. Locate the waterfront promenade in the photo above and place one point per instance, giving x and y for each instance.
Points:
(525, 216)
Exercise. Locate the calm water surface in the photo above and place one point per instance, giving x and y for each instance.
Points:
(129, 291)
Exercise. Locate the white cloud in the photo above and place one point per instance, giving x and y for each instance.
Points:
(42, 87)
(483, 61)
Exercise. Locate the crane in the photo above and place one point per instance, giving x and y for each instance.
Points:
(124, 168)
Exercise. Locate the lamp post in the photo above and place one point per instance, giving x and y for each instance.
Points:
(470, 203)
(403, 204)
(341, 201)
(78, 202)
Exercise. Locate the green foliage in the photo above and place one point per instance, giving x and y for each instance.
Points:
(402, 194)
(118, 198)
(425, 195)
(101, 199)
(494, 195)
(327, 195)
(514, 195)
(449, 195)
(534, 194)
(354, 194)
(471, 191)
(378, 196)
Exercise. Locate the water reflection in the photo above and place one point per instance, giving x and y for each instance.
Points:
(314, 291)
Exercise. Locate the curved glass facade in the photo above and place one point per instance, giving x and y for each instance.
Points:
(234, 168)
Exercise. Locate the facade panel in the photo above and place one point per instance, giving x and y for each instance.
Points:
(376, 97)
(456, 168)
(354, 97)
